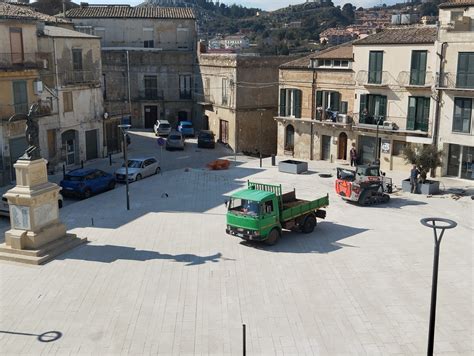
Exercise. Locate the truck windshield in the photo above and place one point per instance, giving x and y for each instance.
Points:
(244, 207)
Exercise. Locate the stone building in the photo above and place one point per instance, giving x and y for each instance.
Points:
(239, 98)
(456, 88)
(148, 59)
(316, 97)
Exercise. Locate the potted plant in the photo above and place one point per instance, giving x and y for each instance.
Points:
(426, 158)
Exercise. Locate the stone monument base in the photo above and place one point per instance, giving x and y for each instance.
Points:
(42, 255)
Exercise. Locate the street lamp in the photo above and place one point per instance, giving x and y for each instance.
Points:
(377, 146)
(125, 128)
(444, 224)
(260, 135)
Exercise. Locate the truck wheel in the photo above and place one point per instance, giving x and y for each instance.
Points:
(272, 237)
(309, 224)
(365, 198)
(385, 198)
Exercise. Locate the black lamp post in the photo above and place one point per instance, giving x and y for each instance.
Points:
(260, 135)
(125, 128)
(377, 146)
(443, 225)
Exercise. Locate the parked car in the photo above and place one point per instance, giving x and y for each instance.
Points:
(175, 141)
(138, 168)
(206, 138)
(84, 182)
(5, 209)
(162, 128)
(186, 128)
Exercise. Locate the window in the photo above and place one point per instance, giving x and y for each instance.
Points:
(67, 101)
(465, 73)
(20, 97)
(330, 63)
(185, 86)
(100, 32)
(289, 138)
(78, 74)
(151, 86)
(344, 107)
(224, 90)
(375, 67)
(398, 147)
(462, 115)
(418, 67)
(290, 102)
(16, 45)
(148, 41)
(182, 37)
(372, 108)
(327, 101)
(268, 206)
(418, 113)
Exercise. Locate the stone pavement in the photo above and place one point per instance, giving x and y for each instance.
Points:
(164, 278)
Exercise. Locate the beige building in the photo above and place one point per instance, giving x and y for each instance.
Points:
(394, 102)
(148, 58)
(456, 88)
(239, 98)
(316, 106)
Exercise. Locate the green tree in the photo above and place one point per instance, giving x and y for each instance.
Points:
(426, 158)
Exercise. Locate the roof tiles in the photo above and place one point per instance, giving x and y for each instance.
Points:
(401, 35)
(24, 12)
(117, 11)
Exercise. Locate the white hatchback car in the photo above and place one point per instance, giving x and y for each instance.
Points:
(138, 168)
(162, 128)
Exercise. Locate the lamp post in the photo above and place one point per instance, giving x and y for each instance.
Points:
(260, 135)
(444, 224)
(377, 146)
(125, 128)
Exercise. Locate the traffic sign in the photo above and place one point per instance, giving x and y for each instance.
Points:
(161, 141)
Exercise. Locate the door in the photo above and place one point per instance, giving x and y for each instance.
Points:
(453, 160)
(112, 137)
(51, 144)
(342, 146)
(151, 115)
(326, 147)
(17, 149)
(224, 131)
(70, 151)
(91, 144)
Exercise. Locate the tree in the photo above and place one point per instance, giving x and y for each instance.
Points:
(426, 158)
(348, 11)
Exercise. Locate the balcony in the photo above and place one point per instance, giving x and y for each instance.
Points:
(389, 124)
(461, 82)
(45, 108)
(150, 94)
(374, 79)
(80, 77)
(416, 79)
(19, 61)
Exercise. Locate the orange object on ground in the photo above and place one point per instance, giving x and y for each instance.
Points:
(218, 164)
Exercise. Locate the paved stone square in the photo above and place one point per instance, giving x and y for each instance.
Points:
(164, 278)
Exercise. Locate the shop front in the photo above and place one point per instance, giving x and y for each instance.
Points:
(460, 161)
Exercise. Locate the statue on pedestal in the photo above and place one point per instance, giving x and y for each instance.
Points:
(32, 133)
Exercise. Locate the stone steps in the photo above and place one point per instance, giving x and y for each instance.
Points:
(43, 255)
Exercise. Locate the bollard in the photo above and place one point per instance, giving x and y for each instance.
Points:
(64, 171)
(273, 160)
(110, 159)
(92, 221)
(82, 164)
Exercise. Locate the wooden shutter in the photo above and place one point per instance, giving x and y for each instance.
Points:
(20, 97)
(297, 103)
(282, 102)
(383, 107)
(335, 101)
(16, 45)
(363, 103)
(319, 98)
(411, 113)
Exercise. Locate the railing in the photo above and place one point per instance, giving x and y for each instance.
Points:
(459, 81)
(369, 119)
(11, 60)
(150, 94)
(390, 123)
(380, 78)
(332, 116)
(416, 79)
(78, 77)
(45, 108)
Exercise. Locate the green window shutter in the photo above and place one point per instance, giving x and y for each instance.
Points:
(383, 107)
(465, 70)
(335, 101)
(418, 67)
(426, 114)
(20, 97)
(411, 113)
(363, 105)
(297, 103)
(282, 102)
(319, 98)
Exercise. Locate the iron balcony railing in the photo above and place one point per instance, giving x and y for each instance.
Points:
(150, 94)
(416, 78)
(19, 60)
(374, 78)
(45, 107)
(457, 81)
(78, 77)
(387, 122)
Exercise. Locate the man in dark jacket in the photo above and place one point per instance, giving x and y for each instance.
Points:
(414, 178)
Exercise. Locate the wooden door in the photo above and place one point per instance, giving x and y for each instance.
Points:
(224, 131)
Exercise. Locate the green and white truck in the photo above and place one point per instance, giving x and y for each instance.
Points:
(261, 212)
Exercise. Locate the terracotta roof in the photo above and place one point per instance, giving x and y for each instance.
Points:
(119, 11)
(462, 3)
(401, 35)
(24, 12)
(54, 31)
(300, 63)
(342, 51)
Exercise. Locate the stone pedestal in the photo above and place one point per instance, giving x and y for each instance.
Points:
(36, 235)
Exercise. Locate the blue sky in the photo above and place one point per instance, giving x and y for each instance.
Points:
(263, 4)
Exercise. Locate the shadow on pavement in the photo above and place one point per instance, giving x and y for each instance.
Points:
(325, 238)
(112, 253)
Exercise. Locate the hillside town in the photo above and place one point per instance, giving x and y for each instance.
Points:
(162, 180)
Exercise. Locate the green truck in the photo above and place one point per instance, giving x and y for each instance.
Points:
(261, 212)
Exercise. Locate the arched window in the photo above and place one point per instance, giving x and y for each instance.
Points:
(289, 138)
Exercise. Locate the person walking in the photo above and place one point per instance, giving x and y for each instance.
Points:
(353, 154)
(414, 178)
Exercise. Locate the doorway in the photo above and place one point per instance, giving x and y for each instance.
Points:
(91, 144)
(69, 141)
(224, 131)
(342, 146)
(151, 115)
(326, 147)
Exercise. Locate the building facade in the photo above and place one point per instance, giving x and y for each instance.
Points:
(239, 98)
(456, 88)
(316, 106)
(148, 58)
